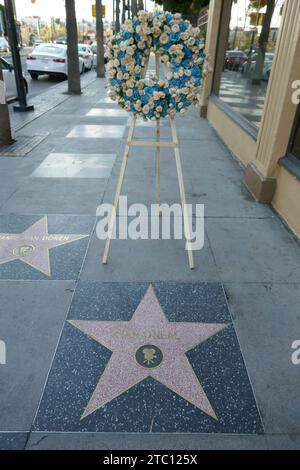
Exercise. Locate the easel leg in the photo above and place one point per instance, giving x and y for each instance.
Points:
(182, 195)
(158, 164)
(118, 191)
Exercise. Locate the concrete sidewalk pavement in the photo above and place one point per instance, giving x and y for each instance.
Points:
(242, 299)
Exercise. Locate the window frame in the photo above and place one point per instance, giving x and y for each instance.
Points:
(290, 161)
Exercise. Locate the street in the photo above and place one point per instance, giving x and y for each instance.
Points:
(35, 87)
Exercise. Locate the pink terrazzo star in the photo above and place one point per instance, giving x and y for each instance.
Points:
(148, 346)
(32, 246)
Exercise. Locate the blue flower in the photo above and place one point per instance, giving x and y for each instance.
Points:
(127, 35)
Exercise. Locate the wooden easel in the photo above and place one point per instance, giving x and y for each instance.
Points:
(158, 145)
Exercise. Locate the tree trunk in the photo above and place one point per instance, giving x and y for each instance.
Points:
(134, 8)
(5, 129)
(124, 8)
(100, 40)
(263, 43)
(141, 5)
(74, 86)
(117, 16)
(128, 9)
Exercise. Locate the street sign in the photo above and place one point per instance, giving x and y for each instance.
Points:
(103, 11)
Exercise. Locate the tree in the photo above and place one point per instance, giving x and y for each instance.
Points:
(263, 42)
(100, 40)
(134, 7)
(189, 7)
(74, 86)
(5, 129)
(141, 5)
(124, 8)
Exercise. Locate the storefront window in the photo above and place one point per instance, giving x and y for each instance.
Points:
(296, 139)
(248, 55)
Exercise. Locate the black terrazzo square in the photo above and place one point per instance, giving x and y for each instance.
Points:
(176, 367)
(39, 247)
(13, 440)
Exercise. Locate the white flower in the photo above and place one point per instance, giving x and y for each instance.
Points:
(164, 38)
(184, 36)
(146, 109)
(175, 28)
(111, 74)
(129, 93)
(130, 51)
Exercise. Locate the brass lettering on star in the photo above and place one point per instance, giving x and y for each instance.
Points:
(131, 334)
(36, 238)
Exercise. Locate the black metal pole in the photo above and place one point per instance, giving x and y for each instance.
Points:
(13, 39)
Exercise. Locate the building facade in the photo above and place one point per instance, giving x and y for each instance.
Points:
(252, 98)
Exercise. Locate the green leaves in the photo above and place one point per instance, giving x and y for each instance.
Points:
(192, 7)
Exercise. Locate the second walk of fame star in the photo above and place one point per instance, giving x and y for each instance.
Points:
(134, 358)
(33, 245)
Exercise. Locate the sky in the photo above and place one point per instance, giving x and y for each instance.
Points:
(239, 10)
(56, 8)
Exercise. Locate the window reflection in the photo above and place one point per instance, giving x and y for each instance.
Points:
(249, 56)
(296, 139)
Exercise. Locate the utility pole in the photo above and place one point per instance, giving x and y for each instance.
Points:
(5, 127)
(13, 39)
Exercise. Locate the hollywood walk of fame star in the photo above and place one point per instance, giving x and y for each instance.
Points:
(32, 246)
(148, 346)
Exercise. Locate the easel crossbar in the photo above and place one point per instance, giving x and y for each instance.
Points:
(148, 143)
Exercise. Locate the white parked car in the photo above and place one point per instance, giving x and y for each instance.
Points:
(50, 59)
(86, 53)
(9, 80)
(4, 46)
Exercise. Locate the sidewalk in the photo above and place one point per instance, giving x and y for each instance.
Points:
(69, 383)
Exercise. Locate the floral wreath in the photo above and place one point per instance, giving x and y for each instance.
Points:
(181, 50)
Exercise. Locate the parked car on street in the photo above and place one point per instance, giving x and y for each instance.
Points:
(249, 68)
(235, 59)
(86, 53)
(61, 40)
(94, 49)
(10, 81)
(37, 42)
(50, 59)
(4, 46)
